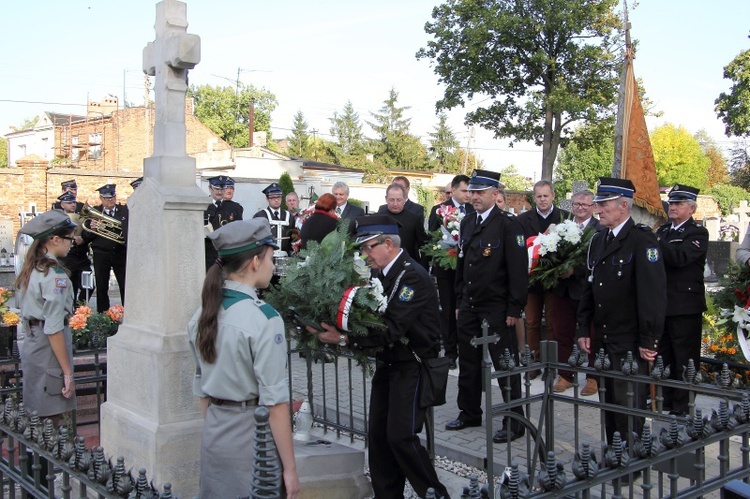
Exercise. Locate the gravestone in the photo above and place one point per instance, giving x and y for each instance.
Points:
(6, 235)
(718, 257)
(743, 212)
(712, 225)
(151, 416)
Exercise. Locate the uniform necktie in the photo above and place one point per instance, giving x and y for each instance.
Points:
(479, 219)
(338, 210)
(109, 213)
(462, 209)
(218, 204)
(610, 238)
(275, 215)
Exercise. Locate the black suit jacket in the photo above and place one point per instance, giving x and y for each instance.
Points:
(492, 270)
(684, 253)
(102, 244)
(626, 298)
(317, 227)
(411, 231)
(351, 212)
(410, 206)
(573, 286)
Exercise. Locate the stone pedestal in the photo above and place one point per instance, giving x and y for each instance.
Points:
(331, 471)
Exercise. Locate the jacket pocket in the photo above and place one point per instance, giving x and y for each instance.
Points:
(490, 243)
(54, 382)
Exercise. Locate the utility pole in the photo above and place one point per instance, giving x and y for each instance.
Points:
(468, 149)
(315, 143)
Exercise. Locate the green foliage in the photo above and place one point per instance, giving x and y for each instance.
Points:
(3, 153)
(425, 197)
(287, 186)
(717, 169)
(347, 129)
(739, 165)
(678, 157)
(395, 147)
(570, 252)
(299, 145)
(734, 292)
(27, 124)
(98, 328)
(728, 197)
(443, 143)
(587, 157)
(226, 111)
(733, 108)
(543, 64)
(513, 180)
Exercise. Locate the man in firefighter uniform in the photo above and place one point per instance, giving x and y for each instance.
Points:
(219, 212)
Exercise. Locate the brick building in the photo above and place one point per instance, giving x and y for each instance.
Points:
(106, 145)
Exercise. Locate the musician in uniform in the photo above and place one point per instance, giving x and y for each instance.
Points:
(72, 187)
(77, 260)
(491, 284)
(394, 449)
(278, 217)
(684, 244)
(108, 254)
(219, 213)
(624, 297)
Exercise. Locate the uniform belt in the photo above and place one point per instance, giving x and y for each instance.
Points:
(38, 322)
(232, 403)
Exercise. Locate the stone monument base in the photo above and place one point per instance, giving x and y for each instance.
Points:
(330, 471)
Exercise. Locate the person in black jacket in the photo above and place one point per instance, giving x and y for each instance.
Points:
(409, 205)
(411, 229)
(108, 255)
(536, 221)
(684, 244)
(219, 213)
(77, 260)
(566, 295)
(394, 449)
(72, 187)
(624, 298)
(446, 278)
(491, 284)
(322, 222)
(279, 218)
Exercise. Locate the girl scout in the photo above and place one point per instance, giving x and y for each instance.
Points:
(240, 354)
(46, 304)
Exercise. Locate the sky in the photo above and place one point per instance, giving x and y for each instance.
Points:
(314, 56)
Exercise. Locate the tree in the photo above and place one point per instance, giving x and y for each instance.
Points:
(225, 110)
(728, 197)
(678, 157)
(587, 157)
(287, 186)
(717, 168)
(3, 153)
(739, 165)
(443, 143)
(347, 129)
(299, 145)
(733, 108)
(513, 180)
(544, 64)
(27, 124)
(395, 147)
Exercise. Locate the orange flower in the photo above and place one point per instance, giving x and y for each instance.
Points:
(714, 347)
(705, 340)
(78, 322)
(451, 252)
(84, 310)
(11, 318)
(731, 350)
(115, 313)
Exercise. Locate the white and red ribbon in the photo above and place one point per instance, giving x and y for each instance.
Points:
(533, 248)
(345, 306)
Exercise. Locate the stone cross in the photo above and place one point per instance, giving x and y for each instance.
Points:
(743, 211)
(169, 57)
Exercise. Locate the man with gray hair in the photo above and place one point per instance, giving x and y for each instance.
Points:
(344, 209)
(684, 244)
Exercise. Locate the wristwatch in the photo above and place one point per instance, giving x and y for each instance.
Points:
(342, 340)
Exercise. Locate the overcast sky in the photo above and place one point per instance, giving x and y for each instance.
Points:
(314, 56)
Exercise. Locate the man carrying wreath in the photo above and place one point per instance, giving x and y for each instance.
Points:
(394, 450)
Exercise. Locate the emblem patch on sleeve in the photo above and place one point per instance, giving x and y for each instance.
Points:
(279, 339)
(696, 243)
(652, 254)
(520, 240)
(406, 294)
(61, 282)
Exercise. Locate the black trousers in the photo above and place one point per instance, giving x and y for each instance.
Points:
(446, 285)
(681, 342)
(616, 391)
(395, 451)
(104, 261)
(470, 364)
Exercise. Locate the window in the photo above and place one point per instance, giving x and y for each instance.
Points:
(95, 151)
(95, 138)
(74, 152)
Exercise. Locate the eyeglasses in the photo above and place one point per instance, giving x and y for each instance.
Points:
(67, 238)
(274, 197)
(582, 205)
(367, 249)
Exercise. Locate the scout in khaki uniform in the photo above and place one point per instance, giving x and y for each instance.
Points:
(240, 355)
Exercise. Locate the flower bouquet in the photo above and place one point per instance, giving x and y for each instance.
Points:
(296, 232)
(91, 330)
(733, 302)
(8, 322)
(330, 284)
(557, 252)
(442, 247)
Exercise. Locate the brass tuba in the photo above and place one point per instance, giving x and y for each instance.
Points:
(106, 226)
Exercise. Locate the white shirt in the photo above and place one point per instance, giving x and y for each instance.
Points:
(390, 264)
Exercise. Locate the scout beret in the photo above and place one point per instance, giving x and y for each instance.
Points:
(242, 235)
(45, 224)
(611, 188)
(371, 226)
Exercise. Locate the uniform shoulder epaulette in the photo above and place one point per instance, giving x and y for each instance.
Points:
(665, 226)
(644, 227)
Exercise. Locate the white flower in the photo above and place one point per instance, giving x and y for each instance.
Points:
(741, 316)
(376, 288)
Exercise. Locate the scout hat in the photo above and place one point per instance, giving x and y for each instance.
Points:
(67, 197)
(242, 235)
(69, 184)
(611, 188)
(218, 182)
(371, 226)
(683, 193)
(481, 180)
(135, 183)
(45, 224)
(272, 190)
(107, 190)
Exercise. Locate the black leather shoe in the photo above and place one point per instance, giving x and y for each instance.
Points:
(504, 436)
(460, 424)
